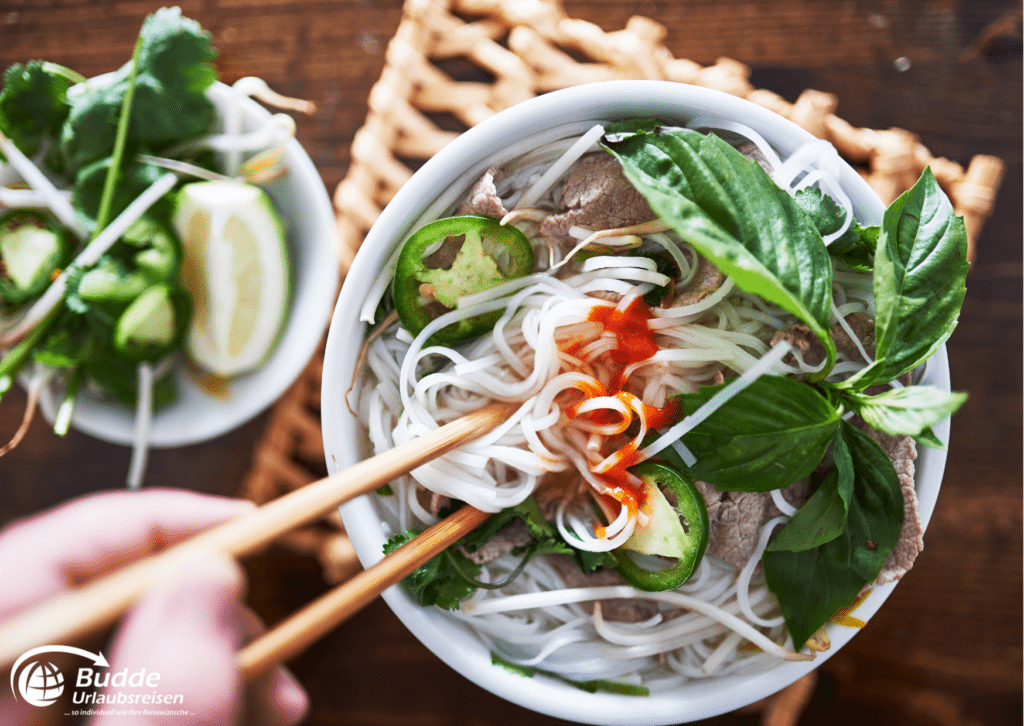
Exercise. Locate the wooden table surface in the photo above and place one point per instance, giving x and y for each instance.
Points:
(946, 648)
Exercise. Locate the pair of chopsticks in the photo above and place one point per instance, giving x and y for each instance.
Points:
(85, 610)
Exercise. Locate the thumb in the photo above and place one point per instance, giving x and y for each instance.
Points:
(184, 633)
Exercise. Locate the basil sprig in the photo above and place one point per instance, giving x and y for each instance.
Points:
(731, 211)
(919, 282)
(910, 411)
(767, 436)
(815, 568)
(777, 430)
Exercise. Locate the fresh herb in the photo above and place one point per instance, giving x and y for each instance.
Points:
(174, 72)
(451, 576)
(777, 430)
(856, 246)
(767, 436)
(593, 686)
(34, 103)
(910, 411)
(731, 211)
(919, 282)
(127, 306)
(812, 583)
(437, 582)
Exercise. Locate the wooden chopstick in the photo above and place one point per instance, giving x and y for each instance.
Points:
(77, 613)
(304, 627)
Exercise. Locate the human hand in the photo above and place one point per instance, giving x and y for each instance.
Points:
(187, 629)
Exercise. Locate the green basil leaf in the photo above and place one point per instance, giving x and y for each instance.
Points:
(770, 434)
(909, 411)
(928, 438)
(919, 281)
(813, 584)
(731, 211)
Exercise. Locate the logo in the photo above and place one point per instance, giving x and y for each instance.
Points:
(93, 689)
(40, 682)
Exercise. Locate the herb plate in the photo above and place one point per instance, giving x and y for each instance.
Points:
(198, 415)
(562, 113)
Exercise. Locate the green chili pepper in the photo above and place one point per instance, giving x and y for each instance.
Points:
(32, 247)
(154, 324)
(450, 258)
(678, 527)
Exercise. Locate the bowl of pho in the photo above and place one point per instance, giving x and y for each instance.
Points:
(166, 279)
(730, 389)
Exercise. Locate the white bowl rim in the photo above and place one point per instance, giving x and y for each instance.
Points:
(297, 341)
(459, 163)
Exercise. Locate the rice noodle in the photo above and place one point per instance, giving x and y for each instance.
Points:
(578, 418)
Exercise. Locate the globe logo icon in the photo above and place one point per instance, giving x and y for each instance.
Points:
(41, 683)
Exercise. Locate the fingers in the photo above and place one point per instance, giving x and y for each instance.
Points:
(182, 637)
(98, 533)
(276, 698)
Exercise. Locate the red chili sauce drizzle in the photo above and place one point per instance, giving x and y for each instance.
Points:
(634, 343)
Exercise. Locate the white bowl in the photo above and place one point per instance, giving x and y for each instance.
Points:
(446, 177)
(302, 201)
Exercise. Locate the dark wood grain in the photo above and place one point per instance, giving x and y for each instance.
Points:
(946, 648)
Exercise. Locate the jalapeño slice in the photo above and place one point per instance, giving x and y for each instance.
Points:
(678, 528)
(449, 259)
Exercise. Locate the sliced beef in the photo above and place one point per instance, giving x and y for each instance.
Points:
(503, 542)
(438, 502)
(596, 196)
(736, 519)
(705, 281)
(813, 352)
(902, 452)
(483, 197)
(749, 149)
(622, 610)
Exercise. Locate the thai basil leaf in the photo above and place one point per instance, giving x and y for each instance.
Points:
(928, 438)
(813, 584)
(821, 519)
(910, 411)
(731, 211)
(770, 434)
(919, 281)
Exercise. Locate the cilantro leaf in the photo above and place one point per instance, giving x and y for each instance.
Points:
(856, 246)
(170, 102)
(34, 103)
(437, 581)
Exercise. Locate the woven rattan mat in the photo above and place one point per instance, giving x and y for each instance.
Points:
(454, 63)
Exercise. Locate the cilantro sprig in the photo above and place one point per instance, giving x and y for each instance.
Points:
(451, 576)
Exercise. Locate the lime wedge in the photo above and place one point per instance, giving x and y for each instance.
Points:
(235, 266)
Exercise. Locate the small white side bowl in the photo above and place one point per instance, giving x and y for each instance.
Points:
(437, 184)
(301, 199)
